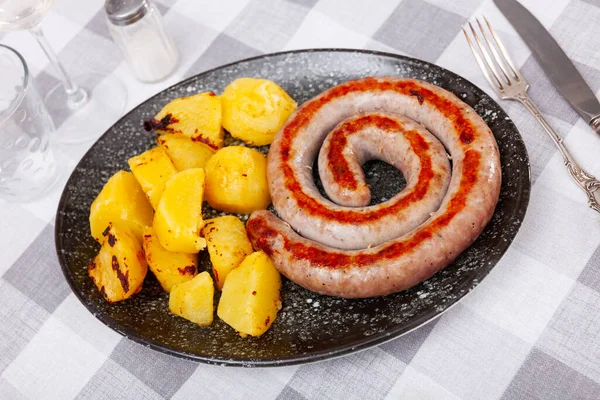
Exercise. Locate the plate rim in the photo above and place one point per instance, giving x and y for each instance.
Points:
(296, 359)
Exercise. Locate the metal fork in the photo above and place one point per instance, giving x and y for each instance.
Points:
(508, 82)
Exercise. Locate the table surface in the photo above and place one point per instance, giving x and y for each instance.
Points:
(531, 329)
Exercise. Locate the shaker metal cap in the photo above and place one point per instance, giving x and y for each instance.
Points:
(125, 12)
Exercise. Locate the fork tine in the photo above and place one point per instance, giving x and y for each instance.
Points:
(497, 57)
(486, 57)
(482, 64)
(507, 58)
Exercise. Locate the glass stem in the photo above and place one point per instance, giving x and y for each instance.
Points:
(75, 95)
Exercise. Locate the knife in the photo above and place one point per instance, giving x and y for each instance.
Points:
(554, 61)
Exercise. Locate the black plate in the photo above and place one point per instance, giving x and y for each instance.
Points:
(310, 327)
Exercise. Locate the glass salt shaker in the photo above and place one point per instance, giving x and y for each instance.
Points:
(138, 30)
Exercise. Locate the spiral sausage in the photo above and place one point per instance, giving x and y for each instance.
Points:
(400, 262)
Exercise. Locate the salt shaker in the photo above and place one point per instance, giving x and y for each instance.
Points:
(138, 30)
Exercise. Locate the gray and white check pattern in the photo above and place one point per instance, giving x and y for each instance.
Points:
(530, 330)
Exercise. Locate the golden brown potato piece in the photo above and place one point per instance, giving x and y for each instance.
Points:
(184, 152)
(119, 268)
(121, 201)
(170, 268)
(236, 180)
(227, 244)
(193, 300)
(197, 117)
(178, 219)
(152, 169)
(255, 109)
(251, 296)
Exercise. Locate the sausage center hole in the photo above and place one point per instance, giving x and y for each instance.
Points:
(385, 180)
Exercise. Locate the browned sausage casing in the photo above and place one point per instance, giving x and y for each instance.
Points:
(395, 264)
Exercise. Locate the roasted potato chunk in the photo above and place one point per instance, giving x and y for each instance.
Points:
(255, 109)
(119, 269)
(169, 268)
(193, 300)
(251, 296)
(121, 201)
(184, 152)
(178, 219)
(152, 169)
(227, 244)
(236, 180)
(198, 117)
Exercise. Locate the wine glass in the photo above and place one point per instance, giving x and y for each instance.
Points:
(74, 97)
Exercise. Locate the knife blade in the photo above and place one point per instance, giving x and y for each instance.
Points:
(553, 60)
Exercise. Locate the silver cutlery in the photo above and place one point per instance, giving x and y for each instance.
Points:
(554, 61)
(508, 82)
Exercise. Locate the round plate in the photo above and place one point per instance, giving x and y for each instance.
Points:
(309, 327)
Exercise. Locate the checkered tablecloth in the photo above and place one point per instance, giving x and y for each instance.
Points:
(531, 329)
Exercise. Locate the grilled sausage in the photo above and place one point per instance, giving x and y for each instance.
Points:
(397, 263)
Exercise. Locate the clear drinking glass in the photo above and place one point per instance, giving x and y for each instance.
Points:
(27, 165)
(74, 97)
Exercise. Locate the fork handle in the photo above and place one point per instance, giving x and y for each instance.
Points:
(587, 182)
(595, 124)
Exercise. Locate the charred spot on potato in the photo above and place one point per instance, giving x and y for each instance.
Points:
(154, 124)
(115, 263)
(92, 265)
(188, 270)
(254, 293)
(112, 240)
(267, 321)
(124, 278)
(106, 231)
(103, 292)
(206, 141)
